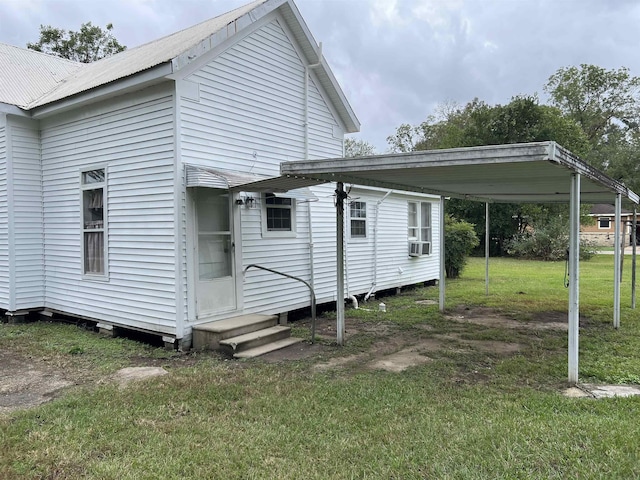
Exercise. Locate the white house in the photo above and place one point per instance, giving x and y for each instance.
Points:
(134, 191)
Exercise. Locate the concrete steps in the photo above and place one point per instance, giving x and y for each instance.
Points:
(245, 336)
(269, 347)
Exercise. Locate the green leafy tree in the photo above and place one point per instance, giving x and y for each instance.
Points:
(87, 45)
(596, 98)
(477, 123)
(358, 148)
(606, 105)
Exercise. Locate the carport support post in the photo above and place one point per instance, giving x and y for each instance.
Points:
(442, 271)
(574, 276)
(486, 249)
(616, 268)
(634, 241)
(340, 196)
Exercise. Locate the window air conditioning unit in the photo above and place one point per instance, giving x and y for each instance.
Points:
(418, 249)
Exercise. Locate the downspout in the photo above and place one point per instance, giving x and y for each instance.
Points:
(311, 257)
(375, 246)
(307, 72)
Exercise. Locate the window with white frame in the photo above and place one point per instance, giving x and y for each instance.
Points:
(604, 223)
(93, 185)
(278, 216)
(419, 228)
(358, 219)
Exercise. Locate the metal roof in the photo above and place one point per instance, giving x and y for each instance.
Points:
(144, 57)
(26, 75)
(31, 81)
(516, 173)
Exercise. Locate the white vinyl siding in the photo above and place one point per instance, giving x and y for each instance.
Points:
(4, 218)
(27, 216)
(248, 116)
(133, 137)
(390, 266)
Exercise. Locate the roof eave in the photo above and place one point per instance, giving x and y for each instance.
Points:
(9, 109)
(134, 82)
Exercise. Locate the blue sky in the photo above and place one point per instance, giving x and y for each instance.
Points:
(396, 60)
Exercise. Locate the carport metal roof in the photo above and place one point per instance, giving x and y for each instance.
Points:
(517, 173)
(528, 172)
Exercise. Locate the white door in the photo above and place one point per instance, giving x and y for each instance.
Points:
(216, 283)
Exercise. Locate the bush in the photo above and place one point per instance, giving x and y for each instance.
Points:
(548, 242)
(459, 239)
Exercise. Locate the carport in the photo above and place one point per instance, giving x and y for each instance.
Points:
(518, 173)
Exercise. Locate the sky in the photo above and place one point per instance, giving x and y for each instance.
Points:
(396, 60)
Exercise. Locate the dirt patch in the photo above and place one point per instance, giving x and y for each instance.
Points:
(489, 318)
(25, 382)
(298, 351)
(338, 362)
(400, 361)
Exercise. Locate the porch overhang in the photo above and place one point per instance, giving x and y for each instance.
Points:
(200, 176)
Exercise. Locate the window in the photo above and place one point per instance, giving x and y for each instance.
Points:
(358, 215)
(419, 228)
(278, 216)
(93, 185)
(604, 223)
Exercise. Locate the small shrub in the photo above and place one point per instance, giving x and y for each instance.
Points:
(548, 242)
(460, 238)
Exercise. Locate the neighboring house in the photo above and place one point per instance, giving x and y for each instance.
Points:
(135, 190)
(602, 232)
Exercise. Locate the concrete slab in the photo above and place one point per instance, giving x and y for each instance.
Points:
(611, 391)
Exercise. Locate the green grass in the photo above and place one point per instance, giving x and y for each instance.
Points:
(467, 414)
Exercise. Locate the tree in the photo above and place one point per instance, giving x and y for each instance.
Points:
(358, 148)
(523, 119)
(606, 105)
(89, 44)
(596, 98)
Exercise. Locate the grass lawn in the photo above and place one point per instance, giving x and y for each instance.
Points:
(467, 413)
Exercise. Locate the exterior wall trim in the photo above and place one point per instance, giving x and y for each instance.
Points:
(10, 218)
